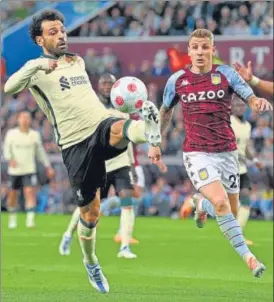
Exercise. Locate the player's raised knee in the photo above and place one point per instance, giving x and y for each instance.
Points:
(221, 205)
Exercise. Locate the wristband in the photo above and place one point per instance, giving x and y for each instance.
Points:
(254, 81)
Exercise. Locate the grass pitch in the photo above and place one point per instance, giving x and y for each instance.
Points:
(176, 262)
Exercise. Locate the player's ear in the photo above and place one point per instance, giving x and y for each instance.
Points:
(40, 40)
(188, 50)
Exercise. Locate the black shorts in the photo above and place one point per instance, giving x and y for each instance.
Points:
(121, 179)
(245, 182)
(17, 182)
(85, 162)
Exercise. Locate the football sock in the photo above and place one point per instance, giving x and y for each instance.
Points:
(206, 206)
(12, 215)
(87, 239)
(134, 131)
(73, 222)
(30, 215)
(243, 216)
(126, 221)
(233, 232)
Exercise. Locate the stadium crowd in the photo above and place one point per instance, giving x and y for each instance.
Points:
(13, 12)
(163, 18)
(147, 18)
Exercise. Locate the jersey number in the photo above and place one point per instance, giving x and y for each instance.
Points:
(234, 179)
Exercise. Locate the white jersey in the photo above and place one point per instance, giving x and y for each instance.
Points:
(242, 130)
(65, 95)
(125, 159)
(23, 148)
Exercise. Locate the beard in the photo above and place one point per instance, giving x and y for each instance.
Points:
(55, 51)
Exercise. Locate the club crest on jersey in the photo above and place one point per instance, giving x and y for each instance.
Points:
(203, 174)
(216, 79)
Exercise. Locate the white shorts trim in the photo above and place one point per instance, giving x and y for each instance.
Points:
(140, 177)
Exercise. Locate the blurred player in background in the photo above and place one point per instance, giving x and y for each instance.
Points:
(210, 149)
(119, 174)
(247, 74)
(85, 130)
(22, 146)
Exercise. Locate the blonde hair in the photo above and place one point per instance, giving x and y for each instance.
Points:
(202, 33)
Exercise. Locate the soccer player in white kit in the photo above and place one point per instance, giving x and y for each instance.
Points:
(210, 150)
(85, 130)
(22, 145)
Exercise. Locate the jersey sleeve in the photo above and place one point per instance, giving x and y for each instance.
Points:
(40, 151)
(7, 146)
(170, 97)
(236, 82)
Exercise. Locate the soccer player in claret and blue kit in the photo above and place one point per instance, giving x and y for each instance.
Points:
(210, 149)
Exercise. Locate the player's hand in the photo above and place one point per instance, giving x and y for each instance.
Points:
(259, 165)
(260, 105)
(50, 172)
(162, 166)
(245, 72)
(12, 163)
(47, 64)
(154, 153)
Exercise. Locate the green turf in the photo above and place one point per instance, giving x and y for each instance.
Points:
(176, 262)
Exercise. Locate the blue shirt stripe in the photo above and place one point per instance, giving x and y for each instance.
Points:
(236, 82)
(169, 96)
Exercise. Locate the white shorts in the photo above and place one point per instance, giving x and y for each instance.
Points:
(204, 168)
(140, 176)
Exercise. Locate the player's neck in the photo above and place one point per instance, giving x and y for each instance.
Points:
(49, 55)
(198, 70)
(23, 129)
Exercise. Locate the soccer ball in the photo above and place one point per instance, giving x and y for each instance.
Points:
(128, 94)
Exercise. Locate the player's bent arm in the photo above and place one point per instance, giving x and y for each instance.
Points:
(243, 90)
(170, 99)
(7, 152)
(264, 86)
(41, 152)
(23, 77)
(165, 116)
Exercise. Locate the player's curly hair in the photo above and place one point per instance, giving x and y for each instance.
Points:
(35, 28)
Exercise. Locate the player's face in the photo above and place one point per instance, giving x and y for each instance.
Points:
(54, 38)
(24, 120)
(201, 52)
(105, 88)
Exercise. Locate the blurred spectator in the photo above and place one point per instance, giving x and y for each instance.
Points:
(93, 62)
(260, 133)
(134, 30)
(160, 66)
(146, 68)
(94, 30)
(213, 27)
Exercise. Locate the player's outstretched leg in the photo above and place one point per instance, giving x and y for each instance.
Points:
(86, 230)
(64, 247)
(138, 132)
(229, 226)
(127, 224)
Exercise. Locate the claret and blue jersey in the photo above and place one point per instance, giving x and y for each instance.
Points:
(206, 103)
